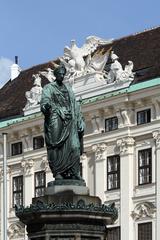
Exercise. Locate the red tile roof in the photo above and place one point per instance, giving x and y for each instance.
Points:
(142, 48)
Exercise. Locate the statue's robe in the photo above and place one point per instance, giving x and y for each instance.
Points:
(63, 127)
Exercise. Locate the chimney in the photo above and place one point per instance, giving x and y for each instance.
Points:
(15, 69)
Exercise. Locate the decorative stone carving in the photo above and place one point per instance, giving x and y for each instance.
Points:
(49, 74)
(27, 166)
(96, 123)
(44, 164)
(144, 210)
(156, 136)
(156, 103)
(79, 61)
(34, 95)
(116, 73)
(100, 151)
(16, 231)
(124, 143)
(83, 157)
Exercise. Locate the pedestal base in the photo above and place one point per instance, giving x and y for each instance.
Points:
(66, 215)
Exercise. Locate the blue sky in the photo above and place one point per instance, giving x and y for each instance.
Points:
(38, 30)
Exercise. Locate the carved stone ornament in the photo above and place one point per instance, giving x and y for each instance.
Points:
(49, 74)
(44, 163)
(124, 143)
(27, 166)
(144, 210)
(100, 151)
(156, 136)
(16, 231)
(34, 95)
(83, 157)
(79, 61)
(116, 73)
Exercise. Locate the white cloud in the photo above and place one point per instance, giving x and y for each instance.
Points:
(5, 65)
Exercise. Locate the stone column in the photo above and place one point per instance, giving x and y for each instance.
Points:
(126, 149)
(100, 169)
(27, 165)
(156, 136)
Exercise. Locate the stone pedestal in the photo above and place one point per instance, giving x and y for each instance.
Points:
(67, 212)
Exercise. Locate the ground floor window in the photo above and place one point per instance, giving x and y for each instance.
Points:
(18, 191)
(145, 231)
(113, 233)
(40, 183)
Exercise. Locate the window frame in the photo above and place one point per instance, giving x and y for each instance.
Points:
(111, 119)
(145, 166)
(144, 111)
(21, 148)
(39, 186)
(17, 191)
(113, 172)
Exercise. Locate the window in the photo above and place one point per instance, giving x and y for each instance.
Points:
(145, 231)
(38, 142)
(113, 233)
(145, 166)
(113, 172)
(18, 191)
(111, 124)
(40, 183)
(144, 116)
(16, 148)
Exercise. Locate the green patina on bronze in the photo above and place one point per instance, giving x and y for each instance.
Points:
(63, 126)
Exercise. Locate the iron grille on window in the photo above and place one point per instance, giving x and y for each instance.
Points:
(18, 191)
(16, 148)
(111, 124)
(40, 183)
(38, 142)
(113, 233)
(145, 166)
(145, 231)
(113, 172)
(144, 116)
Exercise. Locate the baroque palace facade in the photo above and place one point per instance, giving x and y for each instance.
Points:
(118, 85)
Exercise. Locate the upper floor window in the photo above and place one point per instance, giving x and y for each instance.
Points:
(40, 183)
(113, 172)
(18, 191)
(111, 124)
(144, 116)
(145, 166)
(145, 231)
(113, 233)
(38, 142)
(16, 148)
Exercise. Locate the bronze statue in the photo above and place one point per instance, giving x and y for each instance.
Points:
(63, 126)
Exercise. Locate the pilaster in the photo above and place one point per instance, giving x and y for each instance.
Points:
(156, 136)
(126, 150)
(28, 170)
(100, 151)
